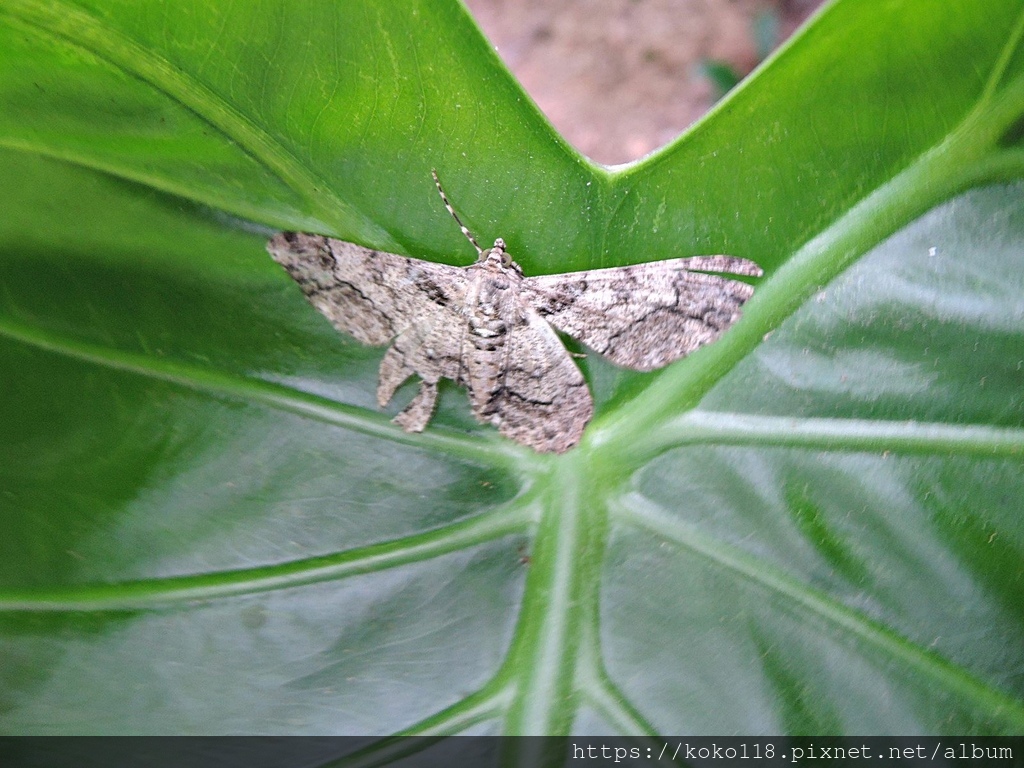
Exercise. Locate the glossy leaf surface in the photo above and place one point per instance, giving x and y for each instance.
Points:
(812, 526)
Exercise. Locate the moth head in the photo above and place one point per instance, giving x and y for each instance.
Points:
(497, 255)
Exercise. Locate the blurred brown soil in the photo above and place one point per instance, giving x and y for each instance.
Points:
(620, 78)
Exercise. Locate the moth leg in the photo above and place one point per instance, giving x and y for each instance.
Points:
(392, 374)
(417, 413)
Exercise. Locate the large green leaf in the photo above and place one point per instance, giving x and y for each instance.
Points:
(813, 525)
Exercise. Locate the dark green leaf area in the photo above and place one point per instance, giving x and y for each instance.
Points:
(110, 476)
(124, 387)
(928, 326)
(266, 659)
(63, 99)
(325, 117)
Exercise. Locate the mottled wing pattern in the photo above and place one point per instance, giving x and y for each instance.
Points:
(487, 328)
(430, 347)
(531, 391)
(377, 297)
(372, 295)
(645, 316)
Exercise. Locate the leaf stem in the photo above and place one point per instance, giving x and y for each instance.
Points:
(564, 568)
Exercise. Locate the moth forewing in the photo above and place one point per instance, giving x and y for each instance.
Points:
(645, 316)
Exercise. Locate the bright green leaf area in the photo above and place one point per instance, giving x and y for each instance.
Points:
(814, 525)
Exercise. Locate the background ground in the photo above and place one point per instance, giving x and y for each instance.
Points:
(619, 78)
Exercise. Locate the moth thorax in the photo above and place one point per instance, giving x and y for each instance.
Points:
(492, 286)
(497, 254)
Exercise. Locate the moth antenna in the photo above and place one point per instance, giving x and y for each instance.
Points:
(444, 199)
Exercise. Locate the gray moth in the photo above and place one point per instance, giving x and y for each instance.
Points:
(490, 329)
